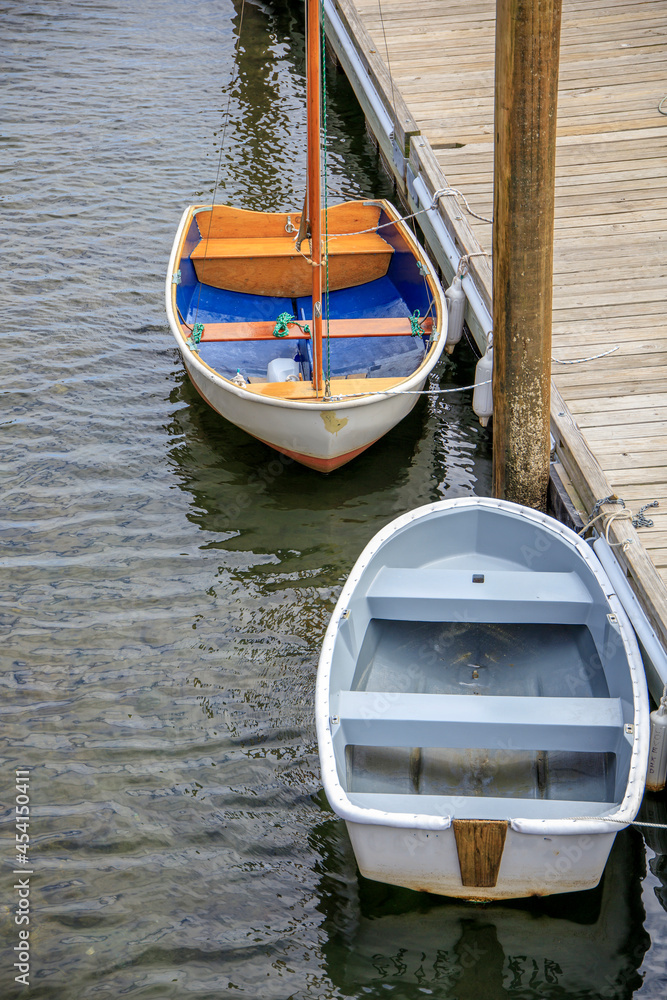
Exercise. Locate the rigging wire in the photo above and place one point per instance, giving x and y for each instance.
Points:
(386, 48)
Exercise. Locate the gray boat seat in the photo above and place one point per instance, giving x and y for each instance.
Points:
(393, 719)
(434, 594)
(407, 746)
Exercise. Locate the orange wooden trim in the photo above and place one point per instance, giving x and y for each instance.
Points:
(227, 222)
(480, 844)
(263, 330)
(305, 391)
(283, 246)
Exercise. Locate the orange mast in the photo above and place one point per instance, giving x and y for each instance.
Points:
(314, 180)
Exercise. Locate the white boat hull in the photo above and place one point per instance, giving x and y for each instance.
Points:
(427, 861)
(321, 435)
(481, 705)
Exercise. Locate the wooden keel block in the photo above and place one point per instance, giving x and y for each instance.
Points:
(480, 844)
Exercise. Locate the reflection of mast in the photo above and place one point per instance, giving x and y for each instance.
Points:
(314, 180)
(257, 123)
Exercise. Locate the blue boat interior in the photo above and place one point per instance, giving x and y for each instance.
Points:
(401, 293)
(479, 676)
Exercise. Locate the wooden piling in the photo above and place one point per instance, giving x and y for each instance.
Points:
(527, 57)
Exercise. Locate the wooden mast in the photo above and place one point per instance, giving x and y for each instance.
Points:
(314, 178)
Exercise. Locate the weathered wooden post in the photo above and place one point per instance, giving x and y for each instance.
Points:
(527, 54)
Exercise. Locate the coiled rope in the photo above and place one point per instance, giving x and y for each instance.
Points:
(609, 517)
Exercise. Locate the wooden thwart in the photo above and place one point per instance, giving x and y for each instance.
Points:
(254, 252)
(480, 846)
(271, 265)
(263, 329)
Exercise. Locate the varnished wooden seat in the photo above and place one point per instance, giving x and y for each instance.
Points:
(271, 265)
(263, 329)
(255, 252)
(339, 386)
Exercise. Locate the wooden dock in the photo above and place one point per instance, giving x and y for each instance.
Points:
(431, 66)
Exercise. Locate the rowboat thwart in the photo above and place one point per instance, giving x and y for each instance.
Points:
(482, 712)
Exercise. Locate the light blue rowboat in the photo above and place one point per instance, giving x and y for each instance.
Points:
(482, 712)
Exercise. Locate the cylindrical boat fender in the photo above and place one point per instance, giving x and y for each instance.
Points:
(482, 397)
(456, 307)
(656, 774)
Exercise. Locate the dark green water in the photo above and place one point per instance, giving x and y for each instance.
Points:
(167, 581)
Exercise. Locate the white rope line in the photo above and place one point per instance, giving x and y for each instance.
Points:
(624, 822)
(459, 194)
(463, 388)
(614, 516)
(593, 357)
(405, 392)
(608, 518)
(404, 218)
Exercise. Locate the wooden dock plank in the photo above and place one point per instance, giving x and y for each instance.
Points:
(610, 243)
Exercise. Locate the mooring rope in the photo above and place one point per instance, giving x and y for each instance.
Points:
(623, 822)
(593, 357)
(413, 215)
(407, 392)
(608, 518)
(386, 49)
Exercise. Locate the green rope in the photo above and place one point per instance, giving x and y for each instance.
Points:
(417, 325)
(195, 336)
(286, 320)
(283, 321)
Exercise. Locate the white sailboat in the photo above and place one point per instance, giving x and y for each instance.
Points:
(313, 331)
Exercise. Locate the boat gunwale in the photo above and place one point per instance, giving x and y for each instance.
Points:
(634, 789)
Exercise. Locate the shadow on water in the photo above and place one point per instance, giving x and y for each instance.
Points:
(654, 811)
(250, 495)
(583, 946)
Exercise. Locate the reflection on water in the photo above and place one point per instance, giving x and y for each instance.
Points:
(380, 939)
(166, 579)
